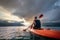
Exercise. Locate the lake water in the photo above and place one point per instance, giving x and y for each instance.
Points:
(13, 32)
(16, 32)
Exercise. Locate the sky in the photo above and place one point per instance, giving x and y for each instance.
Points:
(29, 8)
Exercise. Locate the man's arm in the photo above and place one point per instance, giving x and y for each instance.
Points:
(32, 25)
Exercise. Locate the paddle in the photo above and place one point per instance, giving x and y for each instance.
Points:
(28, 27)
(41, 15)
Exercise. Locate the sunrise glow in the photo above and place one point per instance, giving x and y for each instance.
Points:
(6, 15)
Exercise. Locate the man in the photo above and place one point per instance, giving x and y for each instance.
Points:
(36, 23)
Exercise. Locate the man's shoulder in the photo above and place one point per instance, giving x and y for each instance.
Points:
(37, 20)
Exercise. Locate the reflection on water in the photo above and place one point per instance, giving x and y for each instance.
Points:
(17, 32)
(12, 32)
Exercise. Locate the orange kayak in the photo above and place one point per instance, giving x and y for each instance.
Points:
(47, 33)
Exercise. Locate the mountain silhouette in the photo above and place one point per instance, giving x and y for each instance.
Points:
(6, 23)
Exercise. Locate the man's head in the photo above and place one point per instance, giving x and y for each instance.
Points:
(35, 17)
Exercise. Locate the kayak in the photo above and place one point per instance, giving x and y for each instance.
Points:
(46, 33)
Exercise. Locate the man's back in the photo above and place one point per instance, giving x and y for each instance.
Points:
(37, 24)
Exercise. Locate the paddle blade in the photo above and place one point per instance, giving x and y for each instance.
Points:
(24, 30)
(41, 15)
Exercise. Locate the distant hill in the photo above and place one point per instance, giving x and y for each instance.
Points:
(57, 24)
(6, 23)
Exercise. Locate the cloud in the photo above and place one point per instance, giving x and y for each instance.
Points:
(30, 8)
(8, 18)
(6, 15)
(54, 12)
(57, 3)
